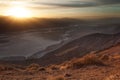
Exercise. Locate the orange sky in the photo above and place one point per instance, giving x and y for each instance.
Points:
(61, 8)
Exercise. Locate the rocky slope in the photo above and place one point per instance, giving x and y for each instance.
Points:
(84, 68)
(80, 47)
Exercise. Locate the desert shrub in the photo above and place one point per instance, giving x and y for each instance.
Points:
(57, 78)
(2, 68)
(54, 67)
(6, 67)
(87, 60)
(104, 57)
(113, 77)
(42, 69)
(33, 67)
(63, 67)
(9, 68)
(68, 75)
(21, 67)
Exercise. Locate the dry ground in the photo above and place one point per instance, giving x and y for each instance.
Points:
(85, 68)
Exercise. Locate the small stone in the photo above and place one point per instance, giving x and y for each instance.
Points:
(42, 69)
(68, 75)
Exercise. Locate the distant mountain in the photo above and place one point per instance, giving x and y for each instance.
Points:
(79, 47)
(47, 50)
(9, 24)
(37, 34)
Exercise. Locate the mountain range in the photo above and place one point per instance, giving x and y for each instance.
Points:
(77, 38)
(78, 48)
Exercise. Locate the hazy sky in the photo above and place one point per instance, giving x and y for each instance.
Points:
(65, 8)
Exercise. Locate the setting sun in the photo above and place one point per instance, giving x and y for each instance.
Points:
(18, 12)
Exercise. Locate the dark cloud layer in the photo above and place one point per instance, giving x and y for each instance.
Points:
(71, 4)
(68, 4)
(109, 1)
(85, 3)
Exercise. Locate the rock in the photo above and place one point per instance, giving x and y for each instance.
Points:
(42, 69)
(68, 75)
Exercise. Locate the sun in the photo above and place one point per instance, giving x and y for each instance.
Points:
(18, 12)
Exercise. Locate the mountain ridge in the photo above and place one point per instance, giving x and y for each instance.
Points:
(80, 47)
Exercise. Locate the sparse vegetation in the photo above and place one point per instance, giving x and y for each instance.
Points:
(89, 67)
(115, 76)
(104, 57)
(57, 78)
(87, 60)
(6, 68)
(54, 67)
(42, 69)
(33, 67)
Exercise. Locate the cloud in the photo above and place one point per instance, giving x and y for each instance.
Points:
(71, 4)
(67, 4)
(78, 3)
(109, 1)
(51, 4)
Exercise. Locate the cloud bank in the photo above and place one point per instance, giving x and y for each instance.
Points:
(50, 4)
(79, 3)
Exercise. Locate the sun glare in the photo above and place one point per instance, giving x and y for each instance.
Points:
(18, 12)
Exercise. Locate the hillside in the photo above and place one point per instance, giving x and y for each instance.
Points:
(79, 47)
(103, 65)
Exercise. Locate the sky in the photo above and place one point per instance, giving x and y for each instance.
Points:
(65, 8)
